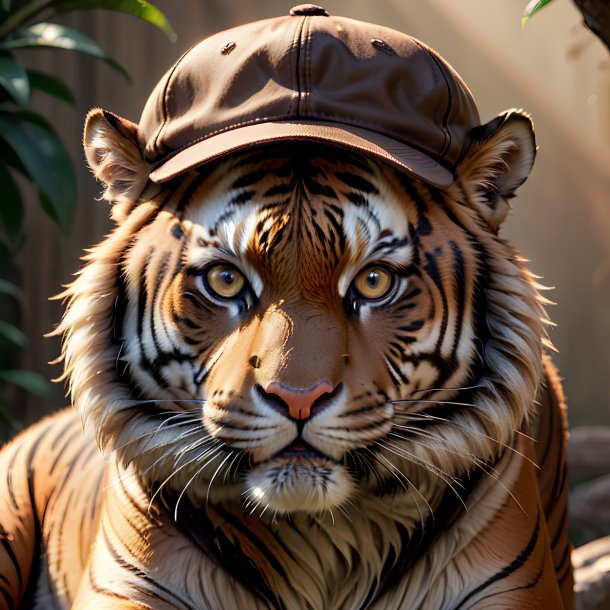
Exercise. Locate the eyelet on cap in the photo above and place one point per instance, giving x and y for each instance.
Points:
(384, 46)
(308, 10)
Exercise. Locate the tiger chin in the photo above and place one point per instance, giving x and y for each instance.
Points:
(306, 401)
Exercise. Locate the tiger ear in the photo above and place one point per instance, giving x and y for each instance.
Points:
(114, 156)
(498, 161)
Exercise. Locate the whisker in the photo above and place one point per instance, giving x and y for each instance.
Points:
(469, 387)
(470, 456)
(162, 457)
(484, 466)
(176, 471)
(197, 473)
(370, 461)
(433, 402)
(238, 456)
(404, 453)
(134, 402)
(159, 428)
(445, 420)
(490, 471)
(207, 496)
(445, 477)
(395, 471)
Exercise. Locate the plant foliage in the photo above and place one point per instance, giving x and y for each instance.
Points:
(532, 8)
(30, 147)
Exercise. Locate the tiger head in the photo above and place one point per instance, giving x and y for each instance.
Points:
(299, 327)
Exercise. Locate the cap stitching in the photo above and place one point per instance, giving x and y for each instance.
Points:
(331, 118)
(392, 159)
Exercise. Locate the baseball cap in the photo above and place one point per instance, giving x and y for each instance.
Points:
(313, 77)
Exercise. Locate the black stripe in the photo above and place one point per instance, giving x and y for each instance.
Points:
(357, 199)
(9, 600)
(459, 277)
(397, 370)
(411, 190)
(192, 187)
(145, 363)
(564, 563)
(12, 556)
(514, 565)
(107, 592)
(9, 480)
(143, 576)
(28, 597)
(249, 179)
(67, 444)
(237, 200)
(225, 549)
(357, 182)
(431, 268)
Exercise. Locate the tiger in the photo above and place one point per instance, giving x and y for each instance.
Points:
(316, 382)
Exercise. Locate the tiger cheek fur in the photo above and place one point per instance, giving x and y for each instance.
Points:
(298, 325)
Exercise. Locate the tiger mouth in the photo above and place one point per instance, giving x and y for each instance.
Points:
(298, 448)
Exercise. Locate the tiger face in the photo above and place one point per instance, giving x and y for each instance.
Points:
(300, 328)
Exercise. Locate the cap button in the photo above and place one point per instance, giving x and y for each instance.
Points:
(308, 10)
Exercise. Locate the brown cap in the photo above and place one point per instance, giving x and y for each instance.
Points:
(310, 76)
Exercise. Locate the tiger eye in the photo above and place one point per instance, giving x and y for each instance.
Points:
(225, 281)
(373, 283)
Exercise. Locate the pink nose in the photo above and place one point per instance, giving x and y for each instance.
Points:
(299, 400)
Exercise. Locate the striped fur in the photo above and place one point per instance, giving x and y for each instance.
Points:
(414, 482)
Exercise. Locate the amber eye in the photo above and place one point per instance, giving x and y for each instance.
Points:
(373, 283)
(225, 281)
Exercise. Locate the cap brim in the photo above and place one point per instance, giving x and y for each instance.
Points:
(402, 156)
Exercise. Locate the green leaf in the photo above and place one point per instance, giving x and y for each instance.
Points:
(9, 288)
(55, 36)
(51, 85)
(48, 207)
(45, 160)
(28, 380)
(11, 206)
(6, 5)
(14, 79)
(137, 8)
(5, 254)
(533, 7)
(7, 154)
(12, 334)
(20, 12)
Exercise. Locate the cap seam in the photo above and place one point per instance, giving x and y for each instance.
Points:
(166, 93)
(307, 84)
(444, 130)
(297, 71)
(293, 63)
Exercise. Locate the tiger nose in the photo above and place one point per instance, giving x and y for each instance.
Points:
(300, 401)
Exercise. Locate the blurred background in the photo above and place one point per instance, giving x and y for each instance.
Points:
(555, 69)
